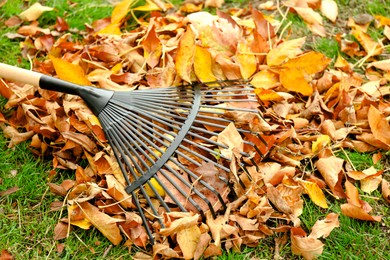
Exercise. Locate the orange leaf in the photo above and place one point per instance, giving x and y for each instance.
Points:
(246, 59)
(268, 95)
(379, 125)
(315, 193)
(386, 190)
(185, 55)
(203, 65)
(152, 46)
(293, 80)
(309, 63)
(69, 71)
(103, 222)
(356, 212)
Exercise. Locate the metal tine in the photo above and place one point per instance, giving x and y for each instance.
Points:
(180, 165)
(175, 185)
(120, 154)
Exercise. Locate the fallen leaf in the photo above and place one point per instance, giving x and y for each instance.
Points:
(322, 228)
(203, 65)
(103, 222)
(372, 48)
(308, 247)
(315, 193)
(180, 224)
(34, 12)
(265, 79)
(69, 72)
(188, 240)
(285, 50)
(5, 255)
(61, 231)
(246, 59)
(386, 190)
(330, 168)
(16, 136)
(380, 127)
(356, 212)
(185, 55)
(312, 19)
(329, 9)
(319, 144)
(9, 191)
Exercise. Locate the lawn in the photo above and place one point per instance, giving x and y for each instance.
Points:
(29, 211)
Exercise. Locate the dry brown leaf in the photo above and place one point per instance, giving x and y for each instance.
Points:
(277, 200)
(386, 190)
(9, 191)
(330, 168)
(180, 224)
(322, 228)
(5, 255)
(15, 136)
(204, 241)
(103, 222)
(312, 19)
(61, 231)
(358, 213)
(308, 247)
(232, 139)
(188, 240)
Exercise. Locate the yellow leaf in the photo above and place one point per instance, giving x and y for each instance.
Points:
(265, 79)
(81, 223)
(120, 11)
(293, 80)
(112, 29)
(309, 63)
(288, 49)
(315, 193)
(160, 190)
(321, 142)
(103, 222)
(69, 71)
(268, 95)
(185, 55)
(152, 6)
(246, 59)
(382, 21)
(372, 47)
(188, 240)
(118, 14)
(203, 65)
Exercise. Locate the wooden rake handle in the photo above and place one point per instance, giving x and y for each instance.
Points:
(37, 79)
(95, 98)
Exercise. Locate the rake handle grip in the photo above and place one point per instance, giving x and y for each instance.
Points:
(37, 79)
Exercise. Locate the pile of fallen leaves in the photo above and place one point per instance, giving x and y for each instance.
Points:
(312, 110)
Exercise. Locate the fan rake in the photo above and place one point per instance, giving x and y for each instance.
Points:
(166, 140)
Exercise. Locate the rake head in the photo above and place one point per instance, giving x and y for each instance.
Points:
(179, 147)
